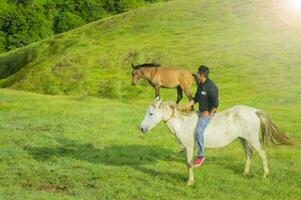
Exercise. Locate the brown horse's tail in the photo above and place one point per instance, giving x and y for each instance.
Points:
(196, 78)
(270, 132)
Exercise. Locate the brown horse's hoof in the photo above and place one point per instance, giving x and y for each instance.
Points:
(190, 182)
(246, 173)
(266, 175)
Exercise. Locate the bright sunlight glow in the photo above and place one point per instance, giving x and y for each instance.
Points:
(295, 5)
(289, 11)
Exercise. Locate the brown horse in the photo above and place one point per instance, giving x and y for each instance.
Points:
(164, 77)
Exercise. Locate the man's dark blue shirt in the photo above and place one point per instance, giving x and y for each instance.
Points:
(207, 96)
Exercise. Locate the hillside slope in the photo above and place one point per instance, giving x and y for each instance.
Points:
(248, 46)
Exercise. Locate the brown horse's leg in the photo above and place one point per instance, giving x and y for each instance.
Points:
(180, 94)
(188, 94)
(157, 90)
(190, 98)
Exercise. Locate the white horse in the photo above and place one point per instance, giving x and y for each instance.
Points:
(240, 122)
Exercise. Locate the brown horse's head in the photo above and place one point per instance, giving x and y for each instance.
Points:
(138, 71)
(136, 74)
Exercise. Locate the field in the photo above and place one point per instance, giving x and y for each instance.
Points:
(87, 148)
(86, 145)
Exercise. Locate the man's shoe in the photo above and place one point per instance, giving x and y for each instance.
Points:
(199, 161)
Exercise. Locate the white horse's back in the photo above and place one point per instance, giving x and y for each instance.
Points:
(237, 121)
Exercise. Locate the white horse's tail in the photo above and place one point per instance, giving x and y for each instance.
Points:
(270, 132)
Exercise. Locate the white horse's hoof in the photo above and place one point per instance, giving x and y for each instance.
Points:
(246, 173)
(182, 151)
(266, 175)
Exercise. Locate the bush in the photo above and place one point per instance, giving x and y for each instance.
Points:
(23, 26)
(67, 21)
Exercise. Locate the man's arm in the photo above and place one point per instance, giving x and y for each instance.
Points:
(214, 98)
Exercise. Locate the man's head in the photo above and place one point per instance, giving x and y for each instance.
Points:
(203, 73)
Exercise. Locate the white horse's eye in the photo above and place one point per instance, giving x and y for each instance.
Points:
(151, 113)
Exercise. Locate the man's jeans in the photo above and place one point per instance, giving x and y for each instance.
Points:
(202, 124)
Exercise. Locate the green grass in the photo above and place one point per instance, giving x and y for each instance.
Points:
(82, 147)
(56, 147)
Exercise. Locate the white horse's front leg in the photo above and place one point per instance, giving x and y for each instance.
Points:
(189, 157)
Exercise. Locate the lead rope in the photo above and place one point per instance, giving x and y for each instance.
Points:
(173, 113)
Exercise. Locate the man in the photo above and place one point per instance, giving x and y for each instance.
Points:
(207, 97)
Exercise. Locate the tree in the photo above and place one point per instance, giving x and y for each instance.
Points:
(2, 42)
(67, 21)
(23, 26)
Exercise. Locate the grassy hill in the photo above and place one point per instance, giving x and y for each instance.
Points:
(246, 44)
(81, 147)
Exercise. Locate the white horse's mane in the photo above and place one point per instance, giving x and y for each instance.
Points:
(175, 106)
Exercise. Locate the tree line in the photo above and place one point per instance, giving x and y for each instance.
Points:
(25, 21)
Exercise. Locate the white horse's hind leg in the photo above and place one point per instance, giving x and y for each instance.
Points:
(257, 146)
(189, 157)
(248, 154)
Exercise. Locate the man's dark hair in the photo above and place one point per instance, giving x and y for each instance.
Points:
(204, 70)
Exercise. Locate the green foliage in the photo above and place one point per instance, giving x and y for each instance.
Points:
(25, 21)
(67, 21)
(118, 6)
(23, 26)
(2, 42)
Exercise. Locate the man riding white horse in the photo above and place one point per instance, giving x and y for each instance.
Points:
(207, 97)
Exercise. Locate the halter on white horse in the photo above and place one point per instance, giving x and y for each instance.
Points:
(240, 122)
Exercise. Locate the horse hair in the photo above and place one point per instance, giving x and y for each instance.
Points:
(147, 65)
(175, 106)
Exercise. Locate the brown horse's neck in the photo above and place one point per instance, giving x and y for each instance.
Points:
(148, 73)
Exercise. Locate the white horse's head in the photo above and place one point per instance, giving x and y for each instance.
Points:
(154, 114)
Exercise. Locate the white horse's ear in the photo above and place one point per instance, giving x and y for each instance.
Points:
(157, 102)
(160, 103)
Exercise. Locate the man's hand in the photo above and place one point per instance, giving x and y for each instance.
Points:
(205, 114)
(186, 106)
(213, 110)
(209, 114)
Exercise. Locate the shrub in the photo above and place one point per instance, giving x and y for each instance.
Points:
(23, 26)
(67, 21)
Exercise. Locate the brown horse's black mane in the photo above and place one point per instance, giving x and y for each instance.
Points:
(147, 65)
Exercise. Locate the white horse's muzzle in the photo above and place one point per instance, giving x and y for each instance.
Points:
(143, 129)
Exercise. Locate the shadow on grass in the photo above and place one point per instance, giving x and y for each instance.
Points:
(133, 156)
